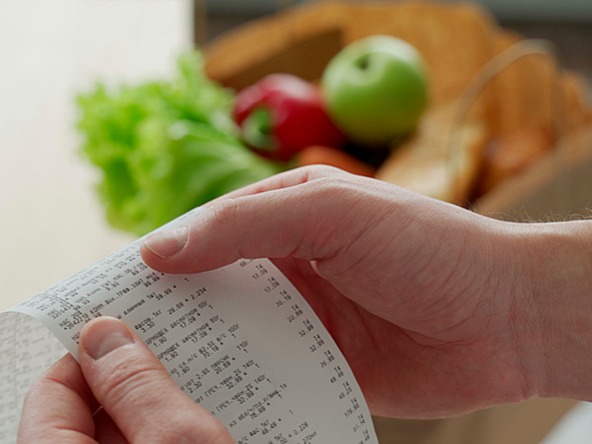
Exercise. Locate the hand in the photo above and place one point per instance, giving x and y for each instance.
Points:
(120, 393)
(433, 306)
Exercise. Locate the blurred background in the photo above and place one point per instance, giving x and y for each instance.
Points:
(52, 223)
(54, 50)
(567, 23)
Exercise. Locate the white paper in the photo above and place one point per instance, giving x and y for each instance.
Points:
(241, 341)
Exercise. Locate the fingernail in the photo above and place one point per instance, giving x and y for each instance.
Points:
(166, 244)
(103, 335)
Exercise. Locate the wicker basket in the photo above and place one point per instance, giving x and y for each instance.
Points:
(524, 119)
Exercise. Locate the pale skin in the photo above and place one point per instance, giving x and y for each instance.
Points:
(120, 393)
(439, 311)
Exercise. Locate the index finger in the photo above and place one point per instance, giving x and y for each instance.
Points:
(59, 407)
(283, 180)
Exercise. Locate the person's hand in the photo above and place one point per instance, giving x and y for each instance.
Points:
(120, 393)
(434, 307)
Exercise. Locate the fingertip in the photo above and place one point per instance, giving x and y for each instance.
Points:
(179, 264)
(177, 251)
(151, 259)
(164, 249)
(103, 335)
(165, 244)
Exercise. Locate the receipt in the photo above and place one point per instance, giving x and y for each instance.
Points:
(240, 340)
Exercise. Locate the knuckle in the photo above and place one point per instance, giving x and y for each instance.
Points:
(330, 187)
(209, 432)
(321, 170)
(136, 389)
(190, 427)
(128, 383)
(224, 212)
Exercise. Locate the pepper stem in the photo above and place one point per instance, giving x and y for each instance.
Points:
(257, 129)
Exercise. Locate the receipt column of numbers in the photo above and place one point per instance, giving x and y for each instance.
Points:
(301, 320)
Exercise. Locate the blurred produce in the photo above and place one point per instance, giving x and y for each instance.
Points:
(281, 115)
(376, 89)
(484, 108)
(498, 104)
(164, 147)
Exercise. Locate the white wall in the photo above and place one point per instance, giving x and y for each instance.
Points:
(51, 223)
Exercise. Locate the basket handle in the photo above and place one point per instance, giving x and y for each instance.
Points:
(495, 66)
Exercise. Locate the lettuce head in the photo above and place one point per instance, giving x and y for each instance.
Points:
(164, 147)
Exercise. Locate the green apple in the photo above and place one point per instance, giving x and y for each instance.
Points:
(376, 89)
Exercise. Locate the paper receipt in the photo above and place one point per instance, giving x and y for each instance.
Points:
(241, 341)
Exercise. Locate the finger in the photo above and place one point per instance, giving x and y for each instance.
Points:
(58, 407)
(136, 391)
(307, 221)
(286, 179)
(106, 430)
(167, 243)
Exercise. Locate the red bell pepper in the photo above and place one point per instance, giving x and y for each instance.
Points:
(283, 114)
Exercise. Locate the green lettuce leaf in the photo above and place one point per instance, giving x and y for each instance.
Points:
(164, 147)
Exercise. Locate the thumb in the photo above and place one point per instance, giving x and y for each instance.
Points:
(310, 221)
(136, 391)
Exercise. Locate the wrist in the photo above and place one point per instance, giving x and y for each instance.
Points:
(553, 324)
